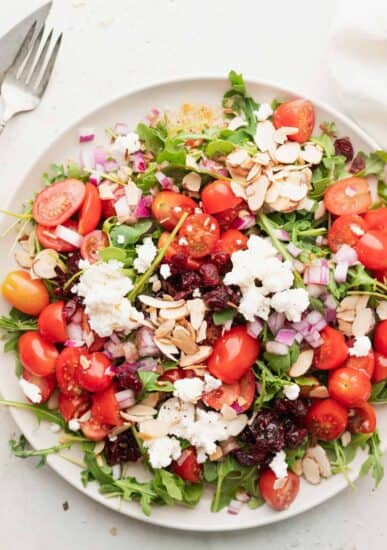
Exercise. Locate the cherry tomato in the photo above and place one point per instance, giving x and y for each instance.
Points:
(226, 394)
(231, 241)
(73, 406)
(172, 375)
(228, 217)
(372, 249)
(187, 467)
(365, 364)
(46, 384)
(92, 243)
(233, 355)
(94, 372)
(168, 207)
(105, 407)
(381, 275)
(36, 354)
(333, 352)
(248, 390)
(66, 367)
(58, 202)
(52, 324)
(108, 209)
(326, 419)
(91, 210)
(93, 341)
(298, 113)
(348, 196)
(376, 219)
(93, 430)
(346, 229)
(191, 264)
(380, 337)
(380, 370)
(218, 196)
(198, 235)
(25, 294)
(362, 419)
(47, 238)
(278, 495)
(350, 387)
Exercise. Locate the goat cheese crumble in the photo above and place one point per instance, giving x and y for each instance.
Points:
(291, 391)
(130, 143)
(162, 451)
(279, 465)
(361, 347)
(165, 271)
(292, 303)
(146, 253)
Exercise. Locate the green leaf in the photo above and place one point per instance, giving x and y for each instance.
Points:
(382, 190)
(219, 147)
(241, 102)
(150, 382)
(379, 392)
(112, 253)
(123, 236)
(173, 152)
(152, 137)
(18, 448)
(292, 455)
(17, 322)
(374, 461)
(221, 317)
(40, 411)
(280, 364)
(326, 143)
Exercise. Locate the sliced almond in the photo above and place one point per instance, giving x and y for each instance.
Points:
(349, 302)
(158, 303)
(228, 412)
(202, 332)
(117, 430)
(348, 315)
(152, 429)
(302, 364)
(362, 301)
(168, 349)
(182, 339)
(321, 392)
(192, 182)
(238, 189)
(320, 210)
(256, 193)
(320, 456)
(216, 455)
(99, 447)
(262, 158)
(311, 470)
(264, 136)
(23, 258)
(288, 152)
(152, 399)
(44, 264)
(197, 310)
(201, 355)
(281, 134)
(364, 322)
(165, 328)
(141, 410)
(381, 310)
(174, 313)
(312, 153)
(345, 327)
(237, 157)
(236, 425)
(346, 438)
(254, 172)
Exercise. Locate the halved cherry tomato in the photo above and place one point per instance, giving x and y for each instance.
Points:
(326, 419)
(362, 419)
(376, 219)
(66, 367)
(46, 384)
(248, 389)
(333, 352)
(226, 394)
(93, 430)
(36, 354)
(231, 241)
(58, 202)
(108, 209)
(199, 235)
(365, 364)
(92, 243)
(380, 337)
(348, 196)
(218, 196)
(298, 113)
(91, 210)
(346, 229)
(233, 355)
(73, 406)
(187, 466)
(105, 407)
(227, 218)
(168, 207)
(94, 372)
(47, 237)
(173, 249)
(372, 249)
(25, 294)
(350, 387)
(380, 370)
(172, 375)
(278, 495)
(52, 324)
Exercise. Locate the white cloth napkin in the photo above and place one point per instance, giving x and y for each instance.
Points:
(358, 63)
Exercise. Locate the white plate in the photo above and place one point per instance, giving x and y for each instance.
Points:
(131, 108)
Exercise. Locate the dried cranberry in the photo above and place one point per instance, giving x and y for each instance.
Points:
(222, 261)
(210, 274)
(343, 146)
(294, 436)
(268, 431)
(296, 409)
(127, 380)
(190, 280)
(123, 449)
(358, 164)
(252, 456)
(72, 267)
(217, 299)
(178, 263)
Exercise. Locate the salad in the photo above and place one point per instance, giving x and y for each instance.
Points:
(206, 296)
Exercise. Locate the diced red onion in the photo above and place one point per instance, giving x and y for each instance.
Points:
(99, 167)
(164, 181)
(74, 335)
(147, 364)
(130, 366)
(243, 223)
(341, 272)
(242, 496)
(237, 407)
(346, 254)
(95, 179)
(125, 398)
(234, 507)
(86, 134)
(317, 273)
(100, 156)
(115, 338)
(69, 235)
(313, 317)
(286, 336)
(281, 234)
(302, 327)
(121, 129)
(115, 350)
(330, 315)
(254, 328)
(110, 165)
(298, 338)
(139, 163)
(321, 240)
(294, 250)
(276, 348)
(298, 266)
(122, 209)
(212, 166)
(142, 210)
(130, 351)
(275, 322)
(330, 302)
(153, 113)
(320, 325)
(70, 308)
(86, 159)
(314, 339)
(315, 290)
(145, 343)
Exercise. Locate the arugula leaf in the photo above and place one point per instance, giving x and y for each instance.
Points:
(150, 382)
(18, 448)
(280, 364)
(18, 321)
(58, 172)
(241, 102)
(173, 152)
(147, 179)
(221, 317)
(113, 253)
(129, 234)
(270, 384)
(379, 392)
(153, 138)
(292, 455)
(42, 412)
(326, 143)
(374, 460)
(219, 147)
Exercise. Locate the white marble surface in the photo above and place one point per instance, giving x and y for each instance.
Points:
(111, 46)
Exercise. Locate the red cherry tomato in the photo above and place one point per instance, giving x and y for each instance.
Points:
(58, 202)
(199, 235)
(108, 209)
(172, 375)
(36, 354)
(380, 337)
(105, 407)
(333, 352)
(348, 196)
(326, 419)
(279, 495)
(233, 355)
(52, 324)
(231, 241)
(93, 430)
(381, 275)
(362, 419)
(173, 249)
(28, 295)
(248, 387)
(346, 230)
(47, 237)
(46, 384)
(376, 219)
(227, 218)
(226, 394)
(168, 207)
(350, 387)
(372, 249)
(91, 210)
(218, 196)
(365, 364)
(94, 372)
(73, 406)
(187, 466)
(66, 367)
(380, 370)
(92, 243)
(298, 113)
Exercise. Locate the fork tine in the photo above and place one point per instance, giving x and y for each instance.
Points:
(49, 68)
(31, 57)
(23, 50)
(39, 64)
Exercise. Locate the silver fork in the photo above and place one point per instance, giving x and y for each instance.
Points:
(25, 81)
